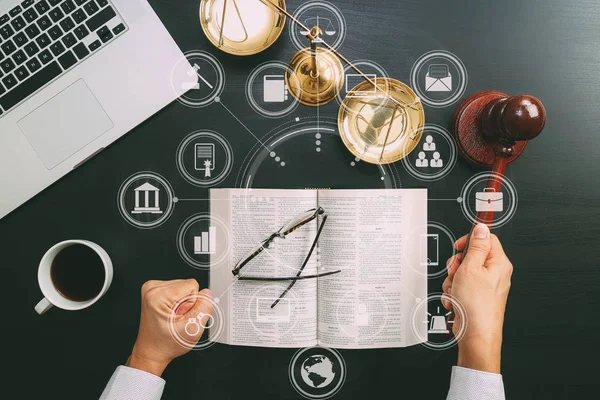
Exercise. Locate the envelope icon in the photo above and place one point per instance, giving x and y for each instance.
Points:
(438, 78)
(489, 200)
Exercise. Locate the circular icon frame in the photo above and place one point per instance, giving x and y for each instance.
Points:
(414, 74)
(443, 271)
(381, 73)
(343, 372)
(445, 170)
(370, 336)
(290, 297)
(304, 43)
(457, 308)
(250, 96)
(201, 344)
(123, 209)
(228, 159)
(504, 183)
(187, 224)
(215, 92)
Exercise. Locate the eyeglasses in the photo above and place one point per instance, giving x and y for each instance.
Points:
(288, 228)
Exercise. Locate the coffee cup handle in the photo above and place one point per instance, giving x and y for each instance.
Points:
(43, 306)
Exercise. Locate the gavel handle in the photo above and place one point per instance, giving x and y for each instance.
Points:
(487, 217)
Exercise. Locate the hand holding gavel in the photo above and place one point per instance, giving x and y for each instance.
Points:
(492, 129)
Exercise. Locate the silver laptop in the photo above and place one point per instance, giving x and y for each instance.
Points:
(75, 75)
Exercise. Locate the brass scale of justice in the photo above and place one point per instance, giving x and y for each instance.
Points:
(380, 127)
(491, 128)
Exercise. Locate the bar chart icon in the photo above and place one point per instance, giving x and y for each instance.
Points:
(207, 242)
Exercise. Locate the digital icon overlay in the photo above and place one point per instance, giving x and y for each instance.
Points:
(264, 312)
(435, 156)
(489, 192)
(195, 325)
(275, 323)
(489, 200)
(439, 330)
(206, 243)
(204, 158)
(317, 372)
(202, 239)
(145, 200)
(435, 244)
(274, 89)
(439, 78)
(267, 91)
(206, 78)
(151, 199)
(321, 14)
(430, 250)
(372, 71)
(439, 323)
(185, 331)
(352, 80)
(371, 314)
(262, 166)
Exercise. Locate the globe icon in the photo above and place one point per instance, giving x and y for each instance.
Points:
(317, 371)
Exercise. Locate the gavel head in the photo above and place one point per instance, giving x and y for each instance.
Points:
(489, 118)
(513, 119)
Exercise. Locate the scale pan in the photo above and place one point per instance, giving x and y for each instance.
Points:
(376, 129)
(241, 27)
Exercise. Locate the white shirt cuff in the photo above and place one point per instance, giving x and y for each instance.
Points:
(469, 384)
(133, 384)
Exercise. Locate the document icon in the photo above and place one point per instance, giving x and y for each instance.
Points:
(489, 200)
(274, 89)
(438, 78)
(204, 158)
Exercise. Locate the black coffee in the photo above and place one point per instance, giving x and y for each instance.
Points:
(78, 273)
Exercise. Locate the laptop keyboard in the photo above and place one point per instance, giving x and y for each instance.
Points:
(40, 40)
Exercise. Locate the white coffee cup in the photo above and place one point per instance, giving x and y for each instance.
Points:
(52, 297)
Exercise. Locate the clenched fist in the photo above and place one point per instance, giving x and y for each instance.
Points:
(155, 347)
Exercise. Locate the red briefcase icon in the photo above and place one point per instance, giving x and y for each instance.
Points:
(489, 200)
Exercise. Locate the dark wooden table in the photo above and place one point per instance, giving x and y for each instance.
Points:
(549, 48)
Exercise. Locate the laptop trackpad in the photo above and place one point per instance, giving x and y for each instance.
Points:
(65, 124)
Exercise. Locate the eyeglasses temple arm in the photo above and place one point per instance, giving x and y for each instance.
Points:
(312, 248)
(289, 278)
(240, 265)
(300, 225)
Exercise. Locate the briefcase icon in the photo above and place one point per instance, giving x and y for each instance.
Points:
(438, 78)
(489, 200)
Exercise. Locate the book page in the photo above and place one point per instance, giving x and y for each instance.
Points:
(370, 304)
(252, 215)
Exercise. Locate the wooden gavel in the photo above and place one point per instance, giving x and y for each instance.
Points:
(492, 129)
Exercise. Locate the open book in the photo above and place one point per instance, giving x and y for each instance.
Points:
(367, 305)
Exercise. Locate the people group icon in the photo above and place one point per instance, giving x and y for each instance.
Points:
(423, 161)
(437, 162)
(429, 145)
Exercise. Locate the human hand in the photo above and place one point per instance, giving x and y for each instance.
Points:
(480, 283)
(155, 348)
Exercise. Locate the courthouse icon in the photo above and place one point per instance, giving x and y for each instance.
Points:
(147, 209)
